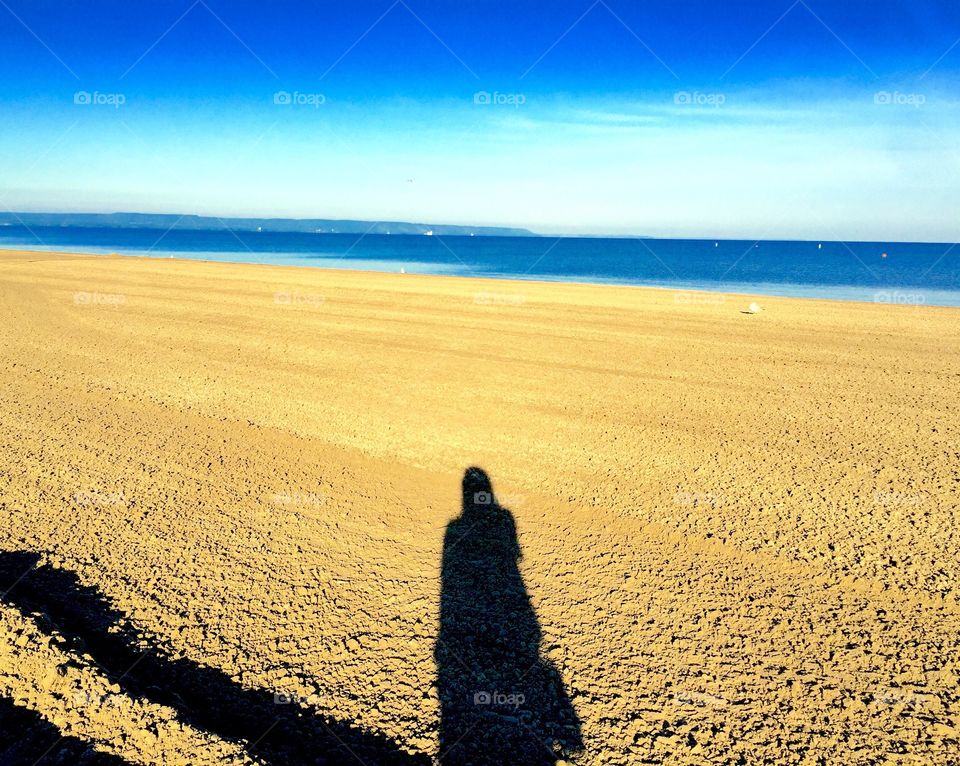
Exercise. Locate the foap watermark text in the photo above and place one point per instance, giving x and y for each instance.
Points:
(696, 98)
(486, 98)
(96, 98)
(296, 98)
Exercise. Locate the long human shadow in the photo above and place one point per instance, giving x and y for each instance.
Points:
(203, 697)
(501, 701)
(27, 739)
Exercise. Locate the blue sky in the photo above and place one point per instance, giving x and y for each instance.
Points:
(807, 119)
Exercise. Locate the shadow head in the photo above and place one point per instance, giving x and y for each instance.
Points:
(477, 490)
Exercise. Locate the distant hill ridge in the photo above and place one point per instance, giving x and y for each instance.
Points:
(211, 223)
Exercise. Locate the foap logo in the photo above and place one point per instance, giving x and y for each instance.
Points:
(900, 696)
(86, 98)
(499, 699)
(286, 98)
(99, 299)
(698, 699)
(487, 498)
(486, 98)
(896, 98)
(696, 98)
(498, 299)
(86, 699)
(698, 299)
(900, 298)
(285, 698)
(97, 498)
(693, 499)
(896, 499)
(296, 498)
(298, 299)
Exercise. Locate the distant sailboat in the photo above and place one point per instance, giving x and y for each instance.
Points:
(820, 246)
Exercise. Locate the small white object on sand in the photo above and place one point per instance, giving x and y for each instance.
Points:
(754, 308)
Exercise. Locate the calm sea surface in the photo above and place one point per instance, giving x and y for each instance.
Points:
(891, 272)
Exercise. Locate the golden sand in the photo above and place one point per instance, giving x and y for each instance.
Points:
(738, 533)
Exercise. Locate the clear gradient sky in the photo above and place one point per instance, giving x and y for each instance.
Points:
(814, 119)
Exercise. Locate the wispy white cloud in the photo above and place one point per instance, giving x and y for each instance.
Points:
(793, 160)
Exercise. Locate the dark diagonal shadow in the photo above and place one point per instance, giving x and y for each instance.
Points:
(501, 701)
(204, 697)
(26, 738)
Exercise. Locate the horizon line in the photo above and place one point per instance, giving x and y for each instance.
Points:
(374, 222)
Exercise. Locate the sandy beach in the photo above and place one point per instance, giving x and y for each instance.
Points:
(236, 518)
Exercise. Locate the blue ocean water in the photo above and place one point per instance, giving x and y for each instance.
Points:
(893, 272)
